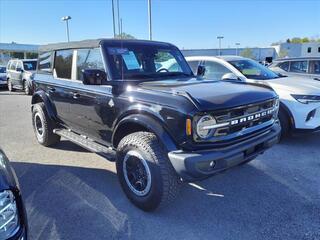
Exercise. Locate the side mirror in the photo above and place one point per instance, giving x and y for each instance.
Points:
(229, 76)
(93, 76)
(19, 70)
(201, 71)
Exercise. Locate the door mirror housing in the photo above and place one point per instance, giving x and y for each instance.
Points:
(93, 76)
(201, 71)
(230, 76)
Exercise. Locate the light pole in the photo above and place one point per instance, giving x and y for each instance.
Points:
(220, 38)
(149, 20)
(113, 20)
(237, 48)
(66, 19)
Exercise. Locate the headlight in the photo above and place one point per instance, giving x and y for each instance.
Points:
(306, 98)
(204, 126)
(9, 221)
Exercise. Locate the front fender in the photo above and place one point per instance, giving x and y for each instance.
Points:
(152, 125)
(41, 96)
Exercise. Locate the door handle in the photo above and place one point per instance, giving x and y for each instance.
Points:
(51, 89)
(76, 95)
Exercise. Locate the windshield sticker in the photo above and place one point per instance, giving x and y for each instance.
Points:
(130, 60)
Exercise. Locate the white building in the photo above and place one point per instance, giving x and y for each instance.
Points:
(15, 50)
(311, 49)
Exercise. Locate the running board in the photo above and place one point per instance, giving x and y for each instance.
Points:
(87, 143)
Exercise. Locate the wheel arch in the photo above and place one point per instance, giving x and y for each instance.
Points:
(137, 122)
(288, 113)
(40, 96)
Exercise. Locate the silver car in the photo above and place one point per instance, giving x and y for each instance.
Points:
(20, 73)
(3, 76)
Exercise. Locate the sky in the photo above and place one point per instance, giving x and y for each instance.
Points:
(185, 23)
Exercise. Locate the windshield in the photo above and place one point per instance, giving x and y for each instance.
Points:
(253, 70)
(146, 61)
(2, 69)
(30, 65)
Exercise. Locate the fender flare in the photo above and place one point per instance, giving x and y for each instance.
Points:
(152, 125)
(41, 96)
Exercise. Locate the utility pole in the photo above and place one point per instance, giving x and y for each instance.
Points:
(149, 19)
(66, 19)
(220, 38)
(237, 48)
(118, 10)
(121, 33)
(113, 20)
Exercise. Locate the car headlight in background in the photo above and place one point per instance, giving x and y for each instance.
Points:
(9, 220)
(204, 126)
(306, 98)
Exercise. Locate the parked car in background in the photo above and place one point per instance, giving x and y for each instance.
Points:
(13, 218)
(3, 76)
(20, 73)
(299, 97)
(118, 99)
(302, 67)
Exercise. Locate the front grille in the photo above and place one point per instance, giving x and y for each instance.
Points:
(247, 117)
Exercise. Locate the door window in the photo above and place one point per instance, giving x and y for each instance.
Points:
(194, 66)
(215, 71)
(19, 65)
(298, 66)
(63, 63)
(314, 67)
(13, 65)
(88, 59)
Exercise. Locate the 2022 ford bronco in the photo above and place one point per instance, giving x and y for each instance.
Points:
(161, 126)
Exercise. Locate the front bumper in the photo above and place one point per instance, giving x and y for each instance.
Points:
(196, 165)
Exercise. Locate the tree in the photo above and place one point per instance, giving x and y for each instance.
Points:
(124, 36)
(288, 40)
(247, 52)
(296, 40)
(305, 40)
(283, 53)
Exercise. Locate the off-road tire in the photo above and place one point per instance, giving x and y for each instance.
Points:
(10, 87)
(165, 183)
(284, 123)
(48, 138)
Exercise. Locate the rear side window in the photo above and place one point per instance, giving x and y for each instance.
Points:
(63, 63)
(45, 62)
(88, 59)
(284, 66)
(298, 66)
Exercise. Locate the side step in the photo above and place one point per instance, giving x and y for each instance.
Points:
(87, 143)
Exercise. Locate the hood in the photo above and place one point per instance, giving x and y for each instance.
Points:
(296, 85)
(212, 95)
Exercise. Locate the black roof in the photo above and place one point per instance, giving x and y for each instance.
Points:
(92, 43)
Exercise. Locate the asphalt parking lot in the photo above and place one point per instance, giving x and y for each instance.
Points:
(73, 194)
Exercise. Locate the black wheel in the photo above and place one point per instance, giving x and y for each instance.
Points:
(145, 173)
(10, 86)
(284, 123)
(26, 88)
(43, 126)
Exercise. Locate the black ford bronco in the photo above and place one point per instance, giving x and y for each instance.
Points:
(138, 103)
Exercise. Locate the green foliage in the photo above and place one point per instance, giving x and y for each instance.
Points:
(124, 36)
(247, 53)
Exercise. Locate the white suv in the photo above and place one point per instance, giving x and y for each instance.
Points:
(299, 97)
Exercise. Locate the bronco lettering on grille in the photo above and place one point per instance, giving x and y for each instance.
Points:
(253, 117)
